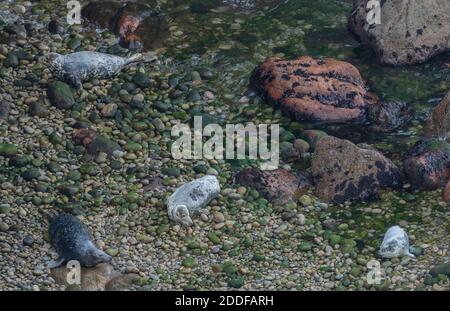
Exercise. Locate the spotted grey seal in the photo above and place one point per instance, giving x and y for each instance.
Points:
(77, 67)
(191, 197)
(72, 240)
(395, 243)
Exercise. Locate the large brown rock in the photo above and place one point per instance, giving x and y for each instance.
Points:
(343, 171)
(427, 164)
(409, 32)
(102, 277)
(439, 123)
(315, 90)
(278, 185)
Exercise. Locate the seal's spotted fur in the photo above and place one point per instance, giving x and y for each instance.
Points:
(81, 66)
(72, 240)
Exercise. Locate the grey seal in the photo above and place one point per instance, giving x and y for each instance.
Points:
(191, 197)
(72, 240)
(395, 243)
(78, 67)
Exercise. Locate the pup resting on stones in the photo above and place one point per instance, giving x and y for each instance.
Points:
(191, 197)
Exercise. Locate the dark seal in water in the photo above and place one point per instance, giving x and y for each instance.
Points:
(72, 240)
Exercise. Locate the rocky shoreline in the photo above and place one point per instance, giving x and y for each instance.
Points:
(103, 153)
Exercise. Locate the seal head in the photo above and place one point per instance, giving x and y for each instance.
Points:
(181, 214)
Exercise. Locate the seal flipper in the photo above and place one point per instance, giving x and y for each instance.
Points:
(56, 263)
(134, 58)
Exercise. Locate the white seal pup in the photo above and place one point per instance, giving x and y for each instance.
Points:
(78, 67)
(191, 197)
(395, 243)
(72, 240)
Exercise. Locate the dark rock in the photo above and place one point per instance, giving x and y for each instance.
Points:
(409, 31)
(68, 190)
(60, 95)
(141, 80)
(388, 116)
(38, 109)
(28, 240)
(5, 109)
(441, 269)
(140, 27)
(342, 171)
(31, 174)
(102, 144)
(11, 60)
(55, 27)
(278, 185)
(427, 164)
(19, 161)
(101, 13)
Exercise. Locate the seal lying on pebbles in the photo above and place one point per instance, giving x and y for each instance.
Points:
(72, 240)
(395, 243)
(191, 197)
(81, 66)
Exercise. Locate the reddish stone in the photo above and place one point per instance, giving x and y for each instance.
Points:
(84, 136)
(315, 90)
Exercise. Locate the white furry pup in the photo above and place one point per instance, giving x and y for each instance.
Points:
(395, 243)
(191, 197)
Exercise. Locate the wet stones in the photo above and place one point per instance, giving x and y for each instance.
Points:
(427, 164)
(278, 185)
(343, 171)
(409, 32)
(315, 90)
(60, 95)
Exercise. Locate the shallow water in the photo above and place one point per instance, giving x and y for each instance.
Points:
(233, 41)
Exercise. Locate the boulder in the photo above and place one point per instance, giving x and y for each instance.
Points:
(408, 32)
(439, 123)
(102, 277)
(311, 89)
(343, 171)
(427, 164)
(278, 185)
